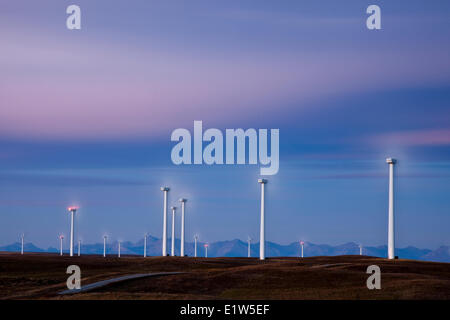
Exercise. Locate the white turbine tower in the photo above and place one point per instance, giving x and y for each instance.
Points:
(79, 247)
(249, 241)
(145, 245)
(72, 211)
(391, 228)
(104, 246)
(164, 240)
(195, 245)
(302, 243)
(118, 252)
(360, 249)
(206, 250)
(22, 236)
(61, 237)
(172, 252)
(262, 254)
(183, 203)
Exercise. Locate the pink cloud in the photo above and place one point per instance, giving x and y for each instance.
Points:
(53, 89)
(427, 137)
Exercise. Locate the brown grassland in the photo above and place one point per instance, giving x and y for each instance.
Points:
(43, 276)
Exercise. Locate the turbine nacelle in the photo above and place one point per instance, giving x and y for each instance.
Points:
(391, 160)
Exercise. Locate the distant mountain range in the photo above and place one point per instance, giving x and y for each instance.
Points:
(238, 248)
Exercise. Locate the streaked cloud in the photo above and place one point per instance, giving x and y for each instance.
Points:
(58, 180)
(57, 85)
(426, 137)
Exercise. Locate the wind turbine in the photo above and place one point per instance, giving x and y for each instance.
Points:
(104, 246)
(391, 228)
(262, 254)
(249, 241)
(61, 237)
(206, 250)
(183, 203)
(145, 245)
(164, 240)
(195, 245)
(22, 236)
(172, 253)
(72, 211)
(302, 243)
(118, 253)
(79, 247)
(360, 249)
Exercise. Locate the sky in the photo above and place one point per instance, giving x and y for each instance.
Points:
(86, 118)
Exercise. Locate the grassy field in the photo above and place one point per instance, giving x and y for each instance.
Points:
(42, 276)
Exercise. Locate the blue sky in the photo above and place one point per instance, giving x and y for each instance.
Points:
(86, 118)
